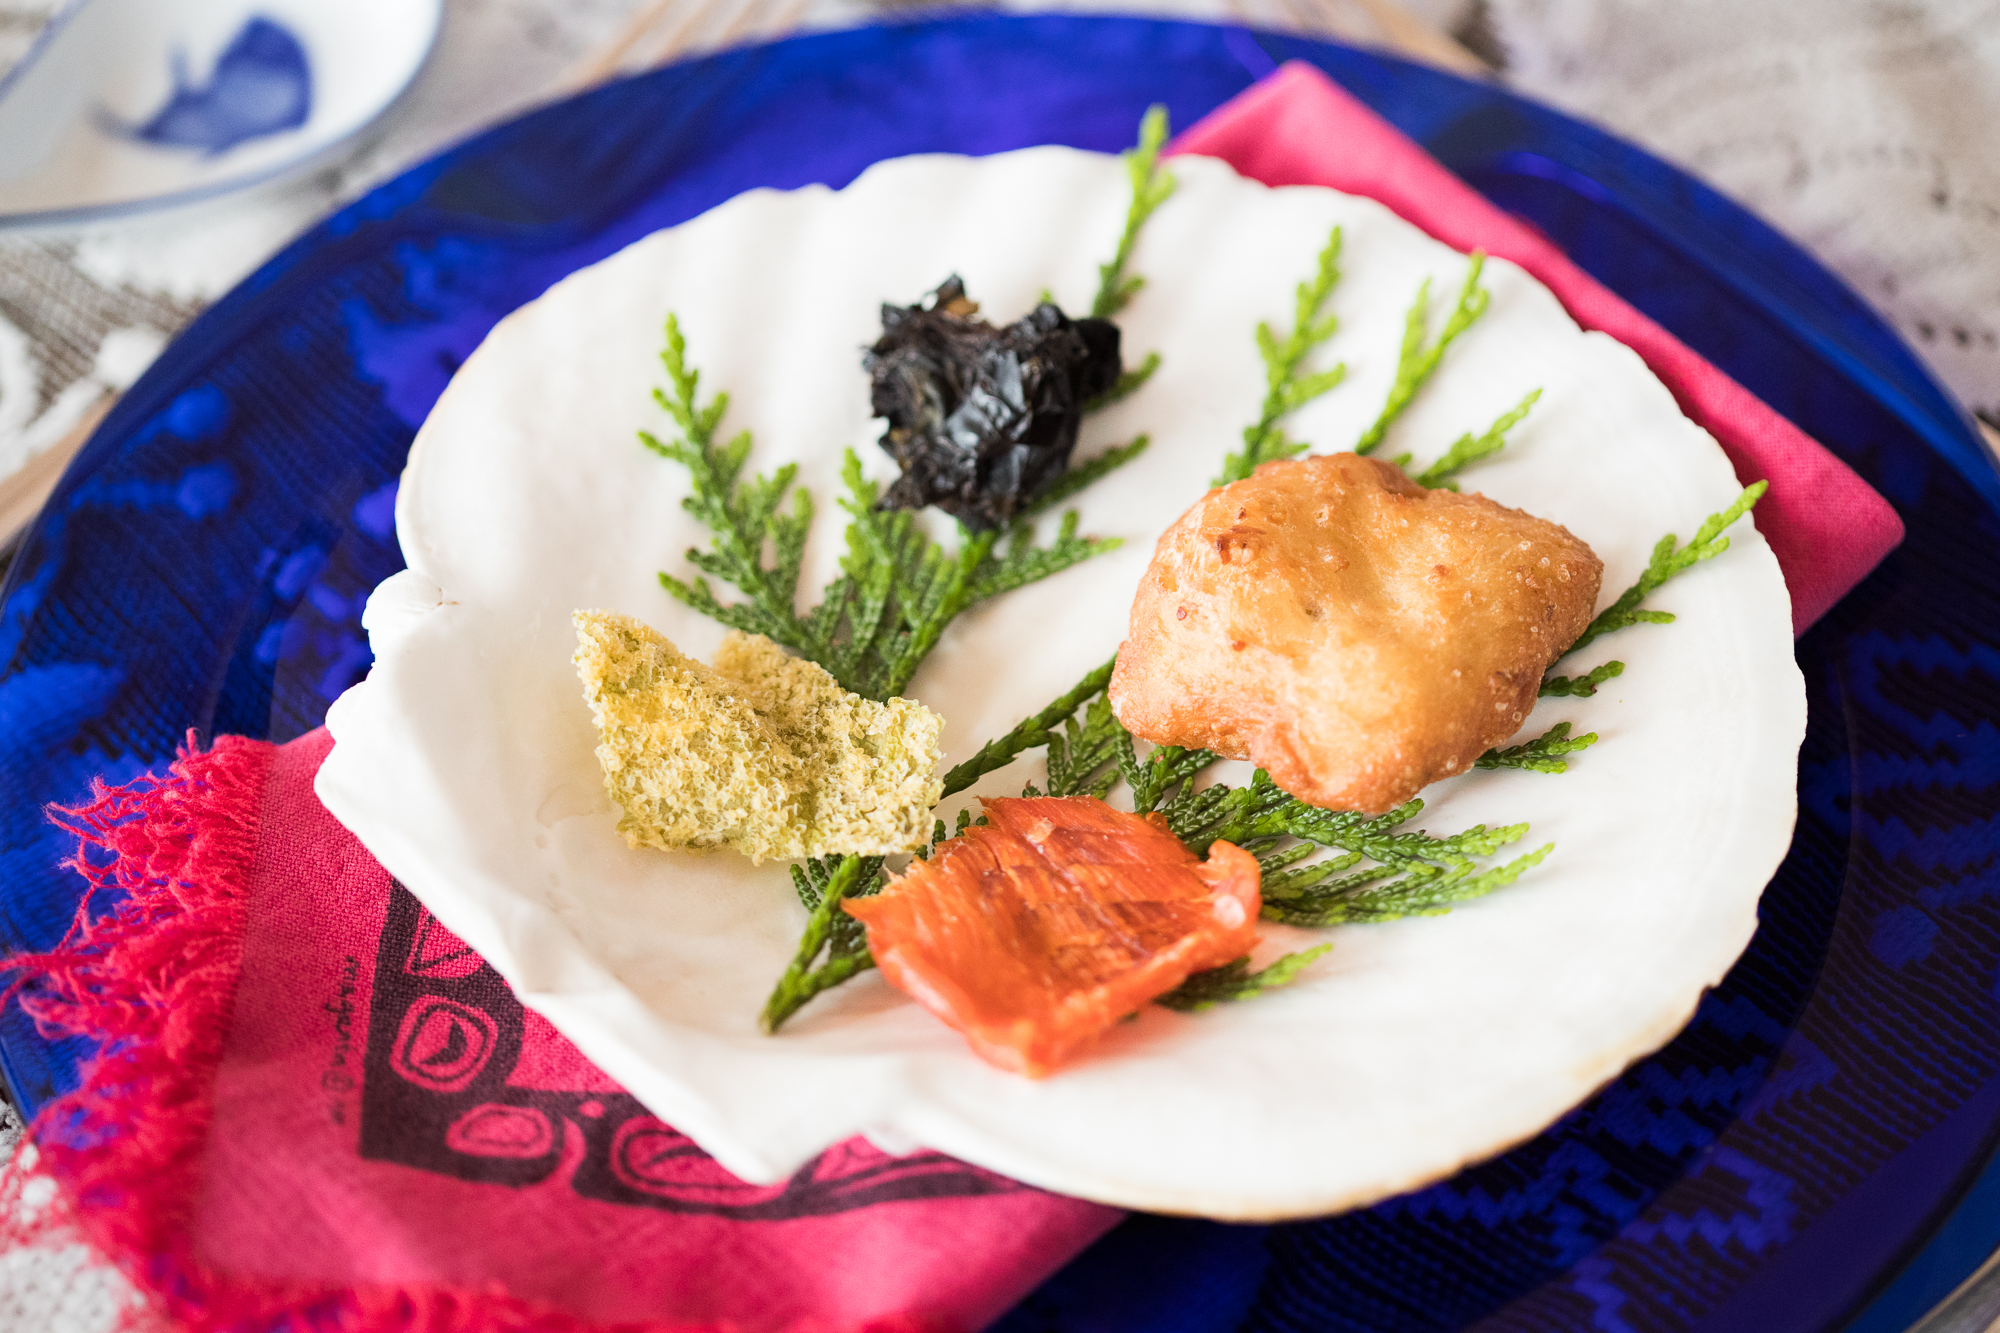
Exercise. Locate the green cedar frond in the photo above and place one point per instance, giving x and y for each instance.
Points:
(1032, 732)
(1026, 563)
(1668, 560)
(948, 585)
(1416, 363)
(1299, 881)
(1424, 890)
(741, 515)
(1273, 858)
(1580, 687)
(1151, 187)
(1425, 874)
(1083, 760)
(1235, 981)
(1129, 382)
(1307, 894)
(1163, 774)
(1287, 386)
(809, 882)
(829, 930)
(1083, 474)
(1468, 449)
(1542, 754)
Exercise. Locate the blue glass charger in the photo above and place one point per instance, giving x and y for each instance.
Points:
(204, 563)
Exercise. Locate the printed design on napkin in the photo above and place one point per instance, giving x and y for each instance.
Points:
(460, 1079)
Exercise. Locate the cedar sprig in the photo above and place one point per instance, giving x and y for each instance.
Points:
(1378, 837)
(1083, 758)
(1128, 383)
(1162, 775)
(1580, 687)
(1235, 981)
(1258, 817)
(1080, 475)
(822, 883)
(1669, 559)
(1468, 449)
(1283, 831)
(1025, 562)
(939, 835)
(1031, 733)
(1288, 386)
(1423, 889)
(1413, 873)
(1416, 362)
(897, 590)
(742, 516)
(1544, 754)
(1152, 185)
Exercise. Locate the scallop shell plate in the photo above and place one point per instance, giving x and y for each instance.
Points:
(464, 761)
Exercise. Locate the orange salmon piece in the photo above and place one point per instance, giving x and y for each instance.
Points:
(1034, 932)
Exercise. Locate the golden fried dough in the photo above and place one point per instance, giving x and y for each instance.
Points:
(1351, 632)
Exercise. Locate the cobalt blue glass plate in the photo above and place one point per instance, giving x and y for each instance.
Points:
(204, 563)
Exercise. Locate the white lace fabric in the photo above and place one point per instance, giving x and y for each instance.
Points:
(1862, 129)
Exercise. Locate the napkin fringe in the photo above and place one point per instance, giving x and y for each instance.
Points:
(150, 981)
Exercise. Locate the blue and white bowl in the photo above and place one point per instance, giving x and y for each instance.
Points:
(123, 105)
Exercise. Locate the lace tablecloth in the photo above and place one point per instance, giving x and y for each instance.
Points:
(1863, 130)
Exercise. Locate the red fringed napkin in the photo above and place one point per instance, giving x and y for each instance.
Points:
(386, 1138)
(314, 1104)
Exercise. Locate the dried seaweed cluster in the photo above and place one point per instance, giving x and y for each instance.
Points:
(981, 418)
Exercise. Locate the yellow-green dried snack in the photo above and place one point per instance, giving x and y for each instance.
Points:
(761, 752)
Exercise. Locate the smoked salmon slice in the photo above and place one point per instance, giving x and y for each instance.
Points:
(1032, 933)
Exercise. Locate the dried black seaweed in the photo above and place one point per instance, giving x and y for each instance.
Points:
(982, 418)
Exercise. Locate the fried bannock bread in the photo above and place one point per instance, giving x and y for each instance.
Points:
(763, 752)
(1037, 930)
(1351, 632)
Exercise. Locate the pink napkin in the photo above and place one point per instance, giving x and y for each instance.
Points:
(384, 1137)
(1827, 527)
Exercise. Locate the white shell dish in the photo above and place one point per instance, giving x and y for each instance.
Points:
(464, 761)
